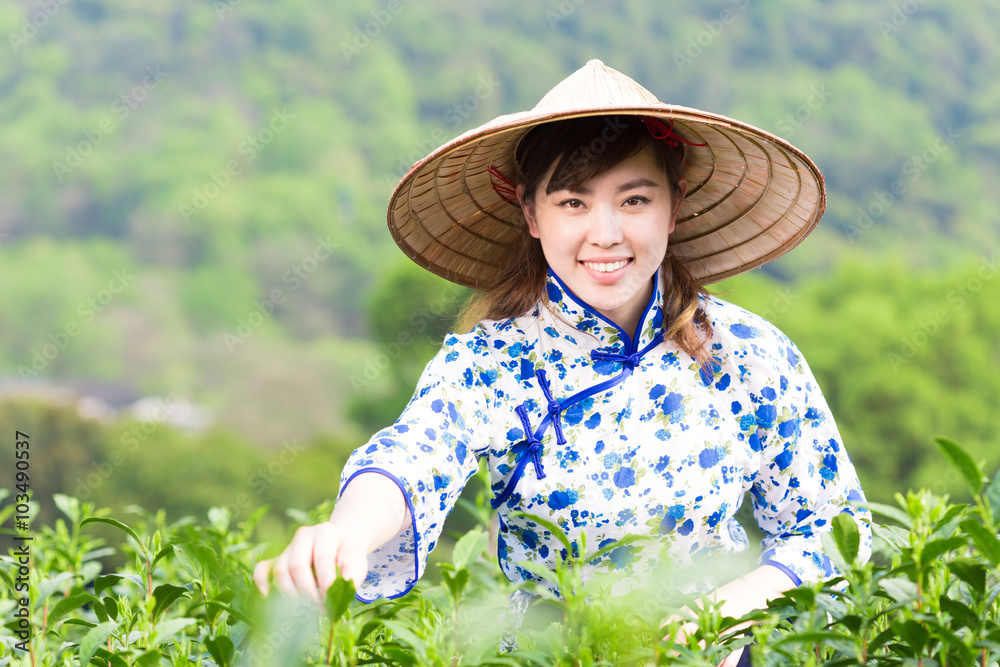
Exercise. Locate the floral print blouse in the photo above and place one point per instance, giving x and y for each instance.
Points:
(602, 434)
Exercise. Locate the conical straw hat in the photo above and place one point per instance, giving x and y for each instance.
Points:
(751, 196)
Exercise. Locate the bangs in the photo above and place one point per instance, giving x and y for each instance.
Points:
(583, 148)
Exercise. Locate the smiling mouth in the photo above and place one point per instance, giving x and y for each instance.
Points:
(606, 267)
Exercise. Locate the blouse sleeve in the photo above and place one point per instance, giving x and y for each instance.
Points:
(806, 477)
(430, 453)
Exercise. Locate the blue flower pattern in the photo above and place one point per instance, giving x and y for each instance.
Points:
(623, 437)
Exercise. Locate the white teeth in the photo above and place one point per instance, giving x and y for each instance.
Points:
(605, 267)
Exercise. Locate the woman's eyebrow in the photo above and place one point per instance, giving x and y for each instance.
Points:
(640, 182)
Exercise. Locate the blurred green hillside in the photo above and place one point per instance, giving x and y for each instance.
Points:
(192, 198)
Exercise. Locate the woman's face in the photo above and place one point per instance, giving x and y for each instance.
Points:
(607, 239)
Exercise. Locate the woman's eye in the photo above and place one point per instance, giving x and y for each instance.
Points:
(635, 201)
(571, 203)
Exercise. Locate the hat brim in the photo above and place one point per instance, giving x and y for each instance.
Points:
(751, 197)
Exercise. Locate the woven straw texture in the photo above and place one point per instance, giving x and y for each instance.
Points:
(751, 196)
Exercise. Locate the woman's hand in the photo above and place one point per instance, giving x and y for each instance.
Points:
(371, 510)
(310, 563)
(738, 598)
(733, 659)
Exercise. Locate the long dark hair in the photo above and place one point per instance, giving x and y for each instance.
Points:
(582, 148)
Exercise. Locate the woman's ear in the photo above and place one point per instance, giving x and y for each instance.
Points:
(678, 199)
(528, 209)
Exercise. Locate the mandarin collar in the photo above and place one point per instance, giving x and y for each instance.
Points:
(611, 337)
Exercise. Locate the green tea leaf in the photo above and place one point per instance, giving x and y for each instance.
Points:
(338, 598)
(111, 607)
(149, 659)
(67, 505)
(165, 551)
(890, 512)
(165, 595)
(802, 596)
(117, 524)
(67, 605)
(881, 639)
(813, 637)
(832, 551)
(167, 629)
(899, 589)
(469, 547)
(186, 560)
(992, 495)
(954, 645)
(915, 634)
(965, 617)
(406, 637)
(93, 640)
(951, 516)
(7, 580)
(219, 518)
(48, 587)
(971, 572)
(986, 541)
(108, 658)
(108, 580)
(456, 583)
(962, 462)
(935, 548)
(221, 649)
(847, 537)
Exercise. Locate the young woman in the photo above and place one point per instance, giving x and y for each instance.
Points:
(604, 387)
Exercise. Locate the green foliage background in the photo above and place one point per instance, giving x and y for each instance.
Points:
(232, 161)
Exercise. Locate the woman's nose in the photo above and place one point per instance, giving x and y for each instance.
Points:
(605, 228)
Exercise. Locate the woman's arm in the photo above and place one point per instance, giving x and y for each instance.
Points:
(369, 513)
(752, 591)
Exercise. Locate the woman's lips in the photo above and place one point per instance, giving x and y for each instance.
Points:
(606, 272)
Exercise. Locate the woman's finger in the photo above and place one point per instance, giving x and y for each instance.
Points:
(293, 570)
(733, 659)
(262, 575)
(326, 553)
(354, 566)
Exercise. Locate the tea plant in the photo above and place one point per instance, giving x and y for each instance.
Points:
(153, 592)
